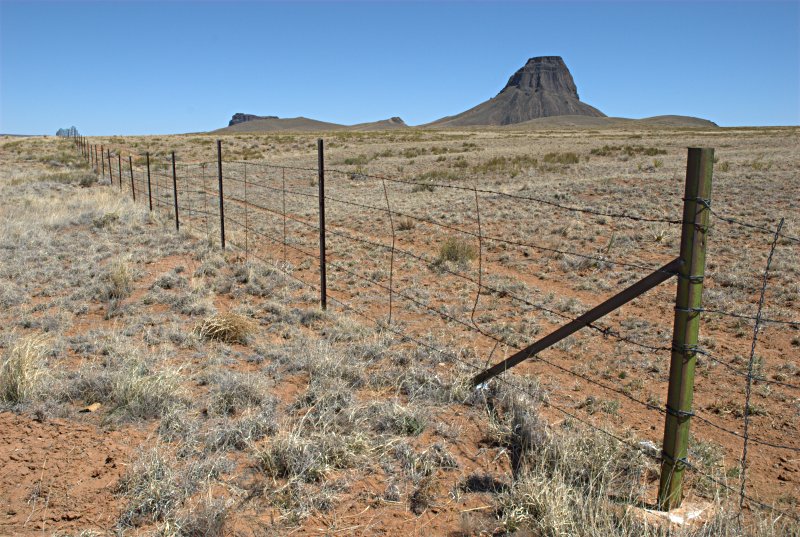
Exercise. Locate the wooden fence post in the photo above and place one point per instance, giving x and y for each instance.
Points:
(688, 301)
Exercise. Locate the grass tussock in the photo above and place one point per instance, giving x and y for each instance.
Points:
(627, 150)
(565, 158)
(310, 458)
(117, 281)
(22, 370)
(81, 178)
(456, 251)
(227, 327)
(156, 488)
(511, 165)
(138, 393)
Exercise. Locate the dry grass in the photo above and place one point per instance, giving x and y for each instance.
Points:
(22, 369)
(457, 251)
(327, 414)
(227, 327)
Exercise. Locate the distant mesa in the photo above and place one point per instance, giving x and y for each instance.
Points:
(543, 87)
(241, 118)
(252, 123)
(540, 95)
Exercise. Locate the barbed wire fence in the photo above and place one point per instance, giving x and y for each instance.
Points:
(276, 215)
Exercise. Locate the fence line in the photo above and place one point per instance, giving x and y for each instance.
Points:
(472, 325)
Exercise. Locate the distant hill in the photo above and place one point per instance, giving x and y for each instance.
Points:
(383, 125)
(252, 123)
(588, 122)
(543, 87)
(273, 124)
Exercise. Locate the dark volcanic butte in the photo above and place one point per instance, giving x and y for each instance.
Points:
(543, 87)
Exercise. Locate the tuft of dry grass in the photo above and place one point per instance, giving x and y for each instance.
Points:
(118, 281)
(22, 370)
(456, 251)
(227, 327)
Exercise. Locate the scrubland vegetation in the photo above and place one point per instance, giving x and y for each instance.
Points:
(154, 384)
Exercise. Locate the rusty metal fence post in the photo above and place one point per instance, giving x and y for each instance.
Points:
(688, 302)
(221, 196)
(175, 193)
(323, 276)
(110, 173)
(133, 187)
(119, 169)
(149, 187)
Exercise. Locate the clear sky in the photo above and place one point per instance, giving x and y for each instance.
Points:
(181, 66)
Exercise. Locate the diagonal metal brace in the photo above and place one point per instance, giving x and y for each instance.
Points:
(642, 286)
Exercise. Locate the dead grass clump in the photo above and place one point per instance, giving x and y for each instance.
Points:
(238, 433)
(511, 165)
(82, 178)
(227, 327)
(297, 500)
(309, 458)
(406, 224)
(152, 489)
(396, 419)
(456, 251)
(117, 281)
(563, 481)
(156, 486)
(628, 150)
(22, 370)
(565, 158)
(209, 518)
(234, 391)
(423, 469)
(139, 393)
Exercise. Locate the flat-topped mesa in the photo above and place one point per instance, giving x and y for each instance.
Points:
(242, 118)
(544, 73)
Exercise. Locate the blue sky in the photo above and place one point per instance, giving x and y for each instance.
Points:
(180, 66)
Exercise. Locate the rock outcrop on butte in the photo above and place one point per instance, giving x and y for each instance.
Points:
(543, 87)
(242, 118)
(252, 123)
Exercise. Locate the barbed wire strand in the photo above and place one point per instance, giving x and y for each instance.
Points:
(763, 320)
(741, 373)
(749, 383)
(391, 254)
(246, 242)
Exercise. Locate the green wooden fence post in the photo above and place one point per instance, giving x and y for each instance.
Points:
(689, 299)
